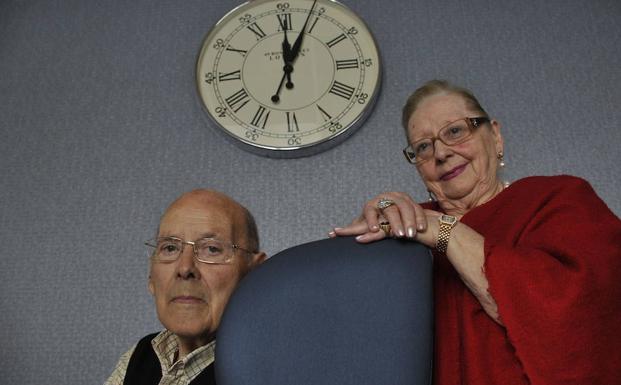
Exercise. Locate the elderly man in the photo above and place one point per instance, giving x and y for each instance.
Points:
(205, 244)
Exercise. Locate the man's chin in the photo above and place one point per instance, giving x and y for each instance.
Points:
(186, 325)
(198, 333)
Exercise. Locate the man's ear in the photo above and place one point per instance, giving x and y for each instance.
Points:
(257, 259)
(150, 285)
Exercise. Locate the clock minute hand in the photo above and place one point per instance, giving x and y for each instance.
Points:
(298, 42)
(286, 55)
(286, 47)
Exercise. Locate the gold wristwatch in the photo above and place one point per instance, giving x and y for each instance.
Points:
(447, 222)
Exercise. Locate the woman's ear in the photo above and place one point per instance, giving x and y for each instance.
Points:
(498, 140)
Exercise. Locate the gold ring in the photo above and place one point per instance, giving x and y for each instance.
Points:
(384, 203)
(385, 226)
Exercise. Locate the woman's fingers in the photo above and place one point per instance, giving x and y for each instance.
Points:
(371, 237)
(357, 227)
(360, 229)
(399, 210)
(413, 218)
(406, 217)
(370, 215)
(393, 216)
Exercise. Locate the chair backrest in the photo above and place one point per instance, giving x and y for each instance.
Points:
(331, 312)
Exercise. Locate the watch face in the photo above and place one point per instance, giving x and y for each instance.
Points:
(448, 219)
(289, 78)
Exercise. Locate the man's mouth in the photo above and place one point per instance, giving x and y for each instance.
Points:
(187, 299)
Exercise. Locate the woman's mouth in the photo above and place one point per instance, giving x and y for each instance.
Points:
(453, 173)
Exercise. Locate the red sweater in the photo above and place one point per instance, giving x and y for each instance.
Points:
(553, 261)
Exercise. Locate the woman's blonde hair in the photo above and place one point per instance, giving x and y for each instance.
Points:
(435, 87)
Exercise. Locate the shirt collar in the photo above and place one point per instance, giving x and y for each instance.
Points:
(166, 347)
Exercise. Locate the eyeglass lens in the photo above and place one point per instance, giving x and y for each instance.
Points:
(450, 135)
(207, 249)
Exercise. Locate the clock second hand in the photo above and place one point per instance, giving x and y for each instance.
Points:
(295, 51)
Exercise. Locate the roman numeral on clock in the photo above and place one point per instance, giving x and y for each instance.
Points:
(324, 114)
(292, 122)
(238, 100)
(256, 121)
(239, 51)
(342, 90)
(254, 27)
(284, 21)
(346, 64)
(336, 40)
(235, 75)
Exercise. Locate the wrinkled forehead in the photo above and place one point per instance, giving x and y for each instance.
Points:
(436, 112)
(192, 220)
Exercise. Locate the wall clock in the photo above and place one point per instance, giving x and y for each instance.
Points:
(289, 78)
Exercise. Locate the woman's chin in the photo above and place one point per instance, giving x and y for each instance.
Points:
(456, 191)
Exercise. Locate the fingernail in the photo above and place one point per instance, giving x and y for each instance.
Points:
(360, 238)
(401, 233)
(421, 227)
(411, 232)
(332, 234)
(375, 227)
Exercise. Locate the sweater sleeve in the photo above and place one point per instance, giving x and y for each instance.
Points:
(557, 285)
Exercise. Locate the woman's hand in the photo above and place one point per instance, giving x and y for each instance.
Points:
(407, 219)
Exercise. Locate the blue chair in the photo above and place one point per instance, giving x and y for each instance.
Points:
(331, 312)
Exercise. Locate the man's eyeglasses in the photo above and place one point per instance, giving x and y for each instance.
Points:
(206, 250)
(452, 134)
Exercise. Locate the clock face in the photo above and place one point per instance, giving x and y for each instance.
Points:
(289, 78)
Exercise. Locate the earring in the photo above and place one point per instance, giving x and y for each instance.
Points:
(432, 196)
(501, 159)
(502, 164)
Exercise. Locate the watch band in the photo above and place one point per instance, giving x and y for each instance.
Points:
(447, 222)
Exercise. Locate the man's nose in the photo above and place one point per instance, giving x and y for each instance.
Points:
(186, 264)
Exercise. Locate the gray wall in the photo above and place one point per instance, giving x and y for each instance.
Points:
(101, 128)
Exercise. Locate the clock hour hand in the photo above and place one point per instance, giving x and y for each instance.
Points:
(289, 83)
(295, 50)
(288, 68)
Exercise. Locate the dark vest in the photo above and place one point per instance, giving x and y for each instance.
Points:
(144, 368)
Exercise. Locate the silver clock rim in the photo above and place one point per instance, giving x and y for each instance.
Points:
(291, 151)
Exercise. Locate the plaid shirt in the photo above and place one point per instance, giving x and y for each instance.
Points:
(166, 346)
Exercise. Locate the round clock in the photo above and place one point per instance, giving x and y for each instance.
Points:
(289, 78)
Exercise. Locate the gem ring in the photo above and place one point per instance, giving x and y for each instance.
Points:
(384, 203)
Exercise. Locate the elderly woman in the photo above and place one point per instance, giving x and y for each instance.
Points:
(527, 277)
